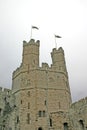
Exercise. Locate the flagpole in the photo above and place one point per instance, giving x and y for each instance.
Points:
(56, 36)
(33, 27)
(55, 42)
(31, 33)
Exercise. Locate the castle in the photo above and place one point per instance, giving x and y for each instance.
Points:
(40, 97)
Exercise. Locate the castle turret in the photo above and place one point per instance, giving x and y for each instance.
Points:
(62, 82)
(58, 59)
(31, 53)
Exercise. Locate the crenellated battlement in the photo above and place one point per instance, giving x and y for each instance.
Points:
(31, 42)
(60, 49)
(81, 103)
(45, 65)
(30, 55)
(4, 90)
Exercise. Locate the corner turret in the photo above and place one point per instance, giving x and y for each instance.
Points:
(58, 59)
(31, 53)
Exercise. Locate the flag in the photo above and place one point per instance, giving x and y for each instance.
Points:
(34, 27)
(57, 36)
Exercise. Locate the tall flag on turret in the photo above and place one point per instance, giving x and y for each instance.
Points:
(33, 27)
(56, 36)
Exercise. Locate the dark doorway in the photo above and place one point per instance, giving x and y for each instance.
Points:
(81, 124)
(39, 128)
(65, 126)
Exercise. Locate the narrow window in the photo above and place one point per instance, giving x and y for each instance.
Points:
(65, 126)
(50, 122)
(45, 102)
(21, 101)
(17, 119)
(81, 124)
(40, 113)
(28, 118)
(44, 114)
(28, 105)
(0, 111)
(34, 61)
(29, 93)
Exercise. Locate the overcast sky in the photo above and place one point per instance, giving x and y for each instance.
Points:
(67, 18)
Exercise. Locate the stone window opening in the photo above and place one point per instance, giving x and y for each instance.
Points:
(33, 61)
(65, 126)
(45, 102)
(81, 124)
(17, 119)
(28, 93)
(28, 118)
(40, 113)
(0, 111)
(21, 102)
(28, 105)
(44, 113)
(50, 122)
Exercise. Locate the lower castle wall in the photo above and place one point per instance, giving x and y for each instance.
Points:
(75, 118)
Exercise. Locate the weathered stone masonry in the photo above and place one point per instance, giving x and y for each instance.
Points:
(40, 97)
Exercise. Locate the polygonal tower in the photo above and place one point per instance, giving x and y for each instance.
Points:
(40, 91)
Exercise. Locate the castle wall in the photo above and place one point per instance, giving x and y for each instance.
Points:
(4, 94)
(74, 119)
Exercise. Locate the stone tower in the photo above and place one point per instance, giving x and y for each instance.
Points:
(31, 53)
(40, 91)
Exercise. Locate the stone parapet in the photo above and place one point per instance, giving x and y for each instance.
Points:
(79, 104)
